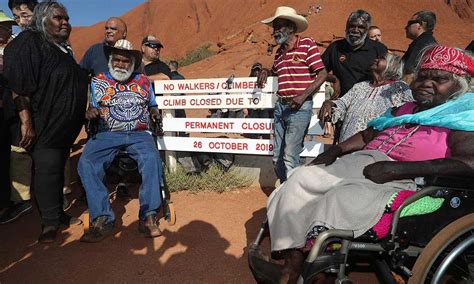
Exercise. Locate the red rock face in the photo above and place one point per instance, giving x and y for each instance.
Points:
(234, 29)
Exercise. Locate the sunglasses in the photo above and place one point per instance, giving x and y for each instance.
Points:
(411, 22)
(153, 45)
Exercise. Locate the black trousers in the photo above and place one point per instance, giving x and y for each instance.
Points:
(5, 141)
(48, 182)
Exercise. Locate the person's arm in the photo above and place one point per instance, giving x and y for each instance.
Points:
(93, 110)
(355, 143)
(312, 89)
(461, 163)
(23, 107)
(263, 75)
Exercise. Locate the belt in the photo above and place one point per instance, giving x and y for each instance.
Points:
(287, 100)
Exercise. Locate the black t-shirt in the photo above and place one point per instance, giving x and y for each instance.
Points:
(55, 84)
(412, 56)
(157, 67)
(351, 66)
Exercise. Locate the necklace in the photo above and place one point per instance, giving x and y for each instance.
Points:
(404, 138)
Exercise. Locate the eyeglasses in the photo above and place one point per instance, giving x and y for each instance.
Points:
(411, 22)
(26, 17)
(153, 45)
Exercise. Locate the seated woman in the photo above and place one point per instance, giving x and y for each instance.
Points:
(432, 136)
(369, 99)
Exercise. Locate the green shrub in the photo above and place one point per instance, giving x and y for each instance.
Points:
(213, 179)
(200, 53)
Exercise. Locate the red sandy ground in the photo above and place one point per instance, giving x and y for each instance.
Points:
(207, 245)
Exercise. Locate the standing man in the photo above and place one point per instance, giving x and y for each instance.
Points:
(349, 58)
(96, 58)
(155, 69)
(5, 141)
(420, 30)
(297, 63)
(19, 160)
(175, 75)
(22, 11)
(375, 33)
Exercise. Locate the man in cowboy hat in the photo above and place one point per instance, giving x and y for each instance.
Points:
(124, 103)
(297, 63)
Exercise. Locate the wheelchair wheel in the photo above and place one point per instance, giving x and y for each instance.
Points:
(170, 215)
(453, 247)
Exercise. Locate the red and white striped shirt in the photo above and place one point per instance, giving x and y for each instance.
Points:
(296, 69)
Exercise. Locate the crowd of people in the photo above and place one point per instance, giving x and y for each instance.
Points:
(386, 110)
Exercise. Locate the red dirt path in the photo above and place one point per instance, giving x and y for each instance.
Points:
(207, 245)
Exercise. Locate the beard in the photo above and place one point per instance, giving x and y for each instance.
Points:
(120, 74)
(355, 39)
(281, 36)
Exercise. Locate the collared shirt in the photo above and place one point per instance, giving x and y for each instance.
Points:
(296, 69)
(412, 56)
(351, 66)
(157, 67)
(96, 59)
(123, 106)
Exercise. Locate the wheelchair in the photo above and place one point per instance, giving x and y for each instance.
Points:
(432, 248)
(125, 169)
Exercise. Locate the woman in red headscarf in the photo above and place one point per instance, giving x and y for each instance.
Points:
(349, 186)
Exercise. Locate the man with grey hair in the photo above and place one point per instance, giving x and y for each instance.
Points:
(420, 30)
(50, 93)
(123, 102)
(349, 59)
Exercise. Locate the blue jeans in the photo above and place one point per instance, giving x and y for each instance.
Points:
(97, 156)
(290, 128)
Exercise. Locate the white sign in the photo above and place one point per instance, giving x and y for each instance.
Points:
(257, 100)
(217, 85)
(228, 125)
(234, 146)
(217, 101)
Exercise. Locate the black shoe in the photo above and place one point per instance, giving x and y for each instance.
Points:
(263, 270)
(48, 234)
(98, 230)
(15, 211)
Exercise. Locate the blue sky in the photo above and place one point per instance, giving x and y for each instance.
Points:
(88, 12)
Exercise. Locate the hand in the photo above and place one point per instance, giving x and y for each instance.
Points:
(297, 102)
(327, 157)
(337, 90)
(92, 113)
(28, 134)
(246, 112)
(262, 78)
(326, 110)
(382, 172)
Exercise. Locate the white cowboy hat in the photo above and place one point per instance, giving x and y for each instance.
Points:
(125, 45)
(290, 14)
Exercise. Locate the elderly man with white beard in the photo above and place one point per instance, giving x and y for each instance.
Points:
(123, 102)
(349, 58)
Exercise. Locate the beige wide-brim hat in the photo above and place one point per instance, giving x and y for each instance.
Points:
(4, 19)
(125, 45)
(290, 14)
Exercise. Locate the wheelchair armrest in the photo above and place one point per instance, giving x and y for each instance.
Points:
(451, 181)
(92, 127)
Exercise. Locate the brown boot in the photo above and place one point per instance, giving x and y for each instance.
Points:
(150, 226)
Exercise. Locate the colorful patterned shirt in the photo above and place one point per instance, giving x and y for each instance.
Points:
(123, 106)
(296, 69)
